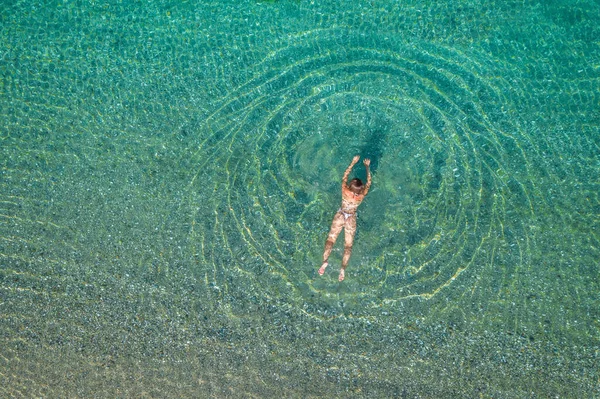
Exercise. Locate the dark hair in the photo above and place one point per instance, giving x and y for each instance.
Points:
(356, 186)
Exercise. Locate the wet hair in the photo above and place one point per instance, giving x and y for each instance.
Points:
(356, 186)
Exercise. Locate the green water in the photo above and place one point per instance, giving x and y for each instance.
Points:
(169, 172)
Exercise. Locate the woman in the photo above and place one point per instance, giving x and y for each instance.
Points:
(352, 196)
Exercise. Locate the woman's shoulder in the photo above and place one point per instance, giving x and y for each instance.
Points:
(348, 195)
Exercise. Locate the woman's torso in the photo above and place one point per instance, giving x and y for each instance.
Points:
(350, 201)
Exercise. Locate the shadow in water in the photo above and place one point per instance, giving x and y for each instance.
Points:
(373, 148)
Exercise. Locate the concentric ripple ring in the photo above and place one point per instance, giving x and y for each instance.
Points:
(439, 130)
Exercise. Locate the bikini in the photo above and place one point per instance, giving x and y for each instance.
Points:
(346, 215)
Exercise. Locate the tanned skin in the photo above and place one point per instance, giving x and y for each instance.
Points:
(345, 218)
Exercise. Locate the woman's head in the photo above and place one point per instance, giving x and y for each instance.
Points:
(356, 186)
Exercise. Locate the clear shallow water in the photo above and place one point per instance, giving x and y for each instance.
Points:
(170, 171)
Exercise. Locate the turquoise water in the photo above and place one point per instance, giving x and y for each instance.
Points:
(169, 172)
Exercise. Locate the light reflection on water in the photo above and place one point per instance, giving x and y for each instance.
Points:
(169, 176)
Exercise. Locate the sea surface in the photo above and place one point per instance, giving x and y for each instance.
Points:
(169, 171)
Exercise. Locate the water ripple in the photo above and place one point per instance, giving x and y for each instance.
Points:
(451, 185)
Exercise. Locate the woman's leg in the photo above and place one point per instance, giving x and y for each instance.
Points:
(336, 227)
(350, 229)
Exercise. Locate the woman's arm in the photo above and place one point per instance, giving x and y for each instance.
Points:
(348, 170)
(367, 162)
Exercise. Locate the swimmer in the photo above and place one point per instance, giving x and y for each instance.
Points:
(352, 196)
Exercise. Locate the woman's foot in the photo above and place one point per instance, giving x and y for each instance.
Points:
(322, 269)
(342, 275)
